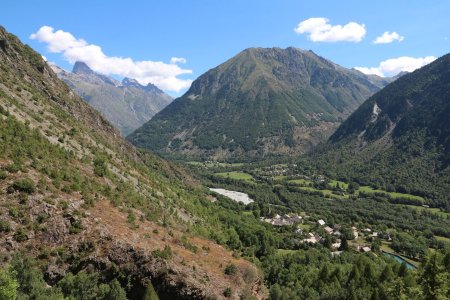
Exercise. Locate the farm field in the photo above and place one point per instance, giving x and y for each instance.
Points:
(342, 184)
(433, 210)
(236, 176)
(370, 190)
(442, 238)
(211, 164)
(301, 181)
(325, 193)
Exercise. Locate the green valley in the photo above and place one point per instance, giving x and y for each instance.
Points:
(275, 173)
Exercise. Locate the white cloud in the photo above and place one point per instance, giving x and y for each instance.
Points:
(370, 71)
(163, 75)
(319, 30)
(176, 60)
(393, 66)
(388, 37)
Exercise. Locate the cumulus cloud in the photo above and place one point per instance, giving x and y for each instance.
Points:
(320, 30)
(393, 66)
(164, 75)
(388, 37)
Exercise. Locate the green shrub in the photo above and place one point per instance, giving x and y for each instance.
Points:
(4, 226)
(3, 174)
(76, 227)
(25, 185)
(131, 218)
(3, 111)
(227, 292)
(21, 235)
(231, 269)
(84, 286)
(8, 285)
(100, 166)
(166, 253)
(14, 167)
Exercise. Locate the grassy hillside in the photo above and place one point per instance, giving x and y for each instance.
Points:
(83, 211)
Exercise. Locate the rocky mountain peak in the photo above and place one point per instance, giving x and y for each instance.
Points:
(82, 68)
(131, 82)
(153, 88)
(150, 87)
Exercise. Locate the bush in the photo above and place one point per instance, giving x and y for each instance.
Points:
(76, 227)
(21, 235)
(4, 226)
(24, 185)
(100, 166)
(227, 293)
(14, 167)
(231, 269)
(166, 253)
(8, 285)
(3, 174)
(84, 286)
(3, 111)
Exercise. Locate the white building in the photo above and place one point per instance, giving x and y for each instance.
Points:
(328, 229)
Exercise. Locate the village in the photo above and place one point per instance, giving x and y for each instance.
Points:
(319, 232)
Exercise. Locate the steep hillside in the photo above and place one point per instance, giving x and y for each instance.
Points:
(82, 211)
(127, 104)
(400, 138)
(264, 101)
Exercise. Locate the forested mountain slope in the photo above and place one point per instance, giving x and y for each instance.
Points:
(399, 139)
(262, 102)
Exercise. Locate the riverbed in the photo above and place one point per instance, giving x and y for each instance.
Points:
(233, 195)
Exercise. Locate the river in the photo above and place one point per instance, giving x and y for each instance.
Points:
(401, 260)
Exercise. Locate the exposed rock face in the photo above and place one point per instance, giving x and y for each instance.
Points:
(81, 68)
(127, 104)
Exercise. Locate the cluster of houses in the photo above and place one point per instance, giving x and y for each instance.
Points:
(273, 171)
(314, 238)
(284, 220)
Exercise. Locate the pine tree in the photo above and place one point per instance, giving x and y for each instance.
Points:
(150, 293)
(386, 274)
(432, 279)
(116, 291)
(344, 244)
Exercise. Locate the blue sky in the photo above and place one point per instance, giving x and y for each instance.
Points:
(206, 33)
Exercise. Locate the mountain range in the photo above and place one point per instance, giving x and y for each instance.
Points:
(126, 104)
(262, 102)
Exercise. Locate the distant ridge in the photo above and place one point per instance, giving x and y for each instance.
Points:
(127, 104)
